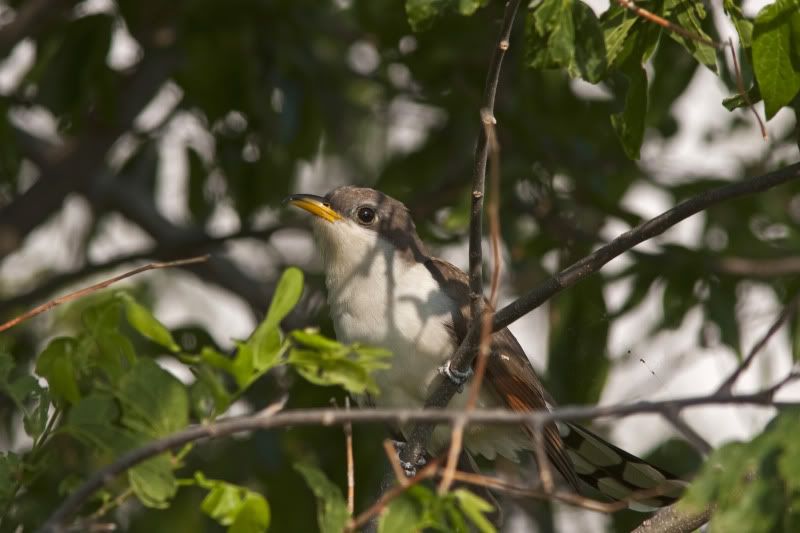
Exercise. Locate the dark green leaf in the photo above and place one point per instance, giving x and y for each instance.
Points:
(422, 13)
(578, 340)
(145, 323)
(153, 401)
(10, 470)
(332, 512)
(736, 101)
(689, 14)
(153, 481)
(744, 27)
(776, 61)
(400, 516)
(566, 34)
(58, 364)
(629, 124)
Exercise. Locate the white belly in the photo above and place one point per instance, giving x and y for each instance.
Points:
(403, 310)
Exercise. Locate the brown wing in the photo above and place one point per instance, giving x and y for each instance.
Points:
(508, 370)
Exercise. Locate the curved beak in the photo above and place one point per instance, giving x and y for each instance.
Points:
(316, 205)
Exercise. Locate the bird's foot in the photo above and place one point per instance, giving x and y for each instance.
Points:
(456, 376)
(409, 468)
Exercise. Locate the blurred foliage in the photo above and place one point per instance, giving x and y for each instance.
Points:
(274, 88)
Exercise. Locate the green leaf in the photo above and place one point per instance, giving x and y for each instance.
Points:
(287, 294)
(332, 512)
(336, 368)
(566, 34)
(35, 419)
(154, 402)
(10, 471)
(475, 507)
(578, 340)
(629, 124)
(106, 347)
(253, 516)
(402, 515)
(243, 510)
(689, 14)
(153, 481)
(208, 394)
(145, 323)
(422, 13)
(617, 23)
(263, 349)
(59, 364)
(737, 100)
(744, 27)
(776, 59)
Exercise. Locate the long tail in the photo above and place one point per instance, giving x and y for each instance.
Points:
(618, 474)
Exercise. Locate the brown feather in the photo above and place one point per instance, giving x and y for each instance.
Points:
(508, 370)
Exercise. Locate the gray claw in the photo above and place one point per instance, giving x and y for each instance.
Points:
(456, 376)
(409, 468)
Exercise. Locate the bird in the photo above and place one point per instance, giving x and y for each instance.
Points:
(386, 290)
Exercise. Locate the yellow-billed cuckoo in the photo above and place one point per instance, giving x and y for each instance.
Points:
(385, 290)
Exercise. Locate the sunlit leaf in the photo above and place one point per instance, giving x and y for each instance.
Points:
(776, 58)
(145, 323)
(475, 508)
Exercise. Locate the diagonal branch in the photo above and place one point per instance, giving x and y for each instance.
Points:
(647, 230)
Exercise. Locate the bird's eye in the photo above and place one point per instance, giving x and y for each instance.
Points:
(365, 215)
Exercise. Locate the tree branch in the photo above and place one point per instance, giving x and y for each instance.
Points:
(30, 17)
(80, 293)
(72, 166)
(647, 230)
(190, 247)
(331, 417)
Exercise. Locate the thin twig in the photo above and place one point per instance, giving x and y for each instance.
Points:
(376, 508)
(484, 347)
(269, 419)
(664, 23)
(742, 91)
(96, 287)
(727, 386)
(545, 474)
(351, 478)
(673, 416)
(391, 455)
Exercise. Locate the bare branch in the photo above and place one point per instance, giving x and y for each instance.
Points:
(351, 478)
(96, 287)
(29, 19)
(727, 386)
(671, 520)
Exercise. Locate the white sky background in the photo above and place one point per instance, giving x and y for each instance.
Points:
(681, 368)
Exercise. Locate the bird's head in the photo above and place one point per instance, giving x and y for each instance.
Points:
(353, 222)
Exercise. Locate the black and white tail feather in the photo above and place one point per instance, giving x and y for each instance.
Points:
(617, 474)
